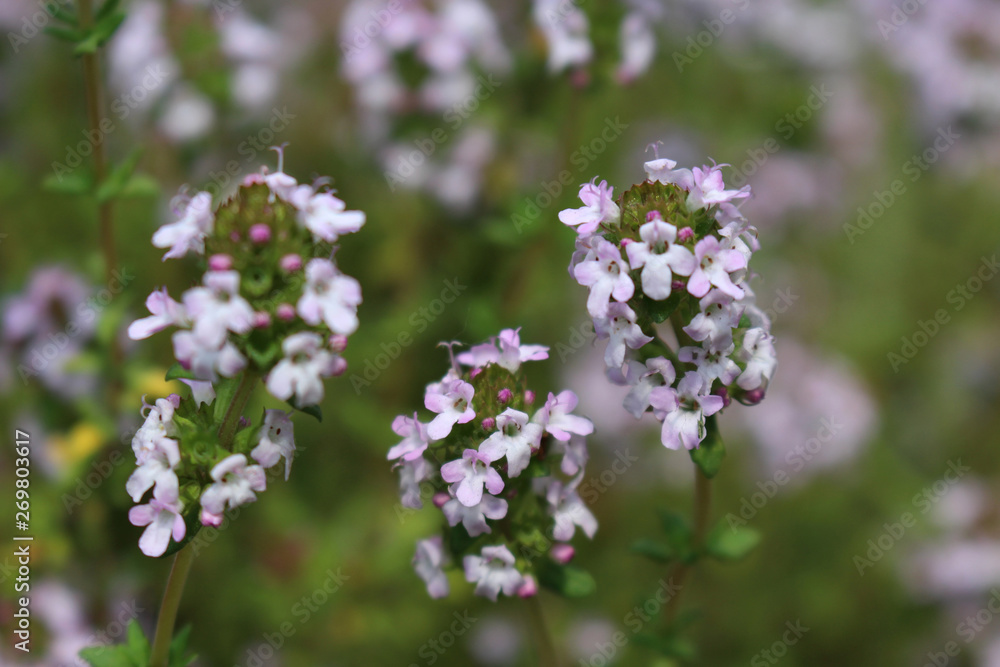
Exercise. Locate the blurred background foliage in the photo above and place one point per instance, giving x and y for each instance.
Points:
(845, 294)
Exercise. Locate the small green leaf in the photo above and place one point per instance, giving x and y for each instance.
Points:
(178, 372)
(61, 32)
(225, 390)
(107, 656)
(119, 177)
(670, 646)
(677, 529)
(178, 647)
(78, 183)
(106, 9)
(653, 550)
(99, 34)
(140, 185)
(725, 543)
(569, 581)
(660, 311)
(137, 643)
(311, 410)
(708, 456)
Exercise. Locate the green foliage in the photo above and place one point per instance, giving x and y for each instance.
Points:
(567, 580)
(135, 652)
(726, 543)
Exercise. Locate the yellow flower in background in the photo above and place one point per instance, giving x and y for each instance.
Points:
(77, 444)
(150, 382)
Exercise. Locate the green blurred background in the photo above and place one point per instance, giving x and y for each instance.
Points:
(846, 291)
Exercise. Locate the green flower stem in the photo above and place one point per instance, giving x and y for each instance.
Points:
(702, 503)
(182, 561)
(168, 609)
(95, 94)
(547, 656)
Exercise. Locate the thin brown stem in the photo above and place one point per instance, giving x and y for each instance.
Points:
(95, 104)
(160, 654)
(547, 655)
(702, 505)
(182, 561)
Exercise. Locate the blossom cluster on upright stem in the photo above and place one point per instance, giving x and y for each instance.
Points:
(503, 473)
(667, 266)
(272, 305)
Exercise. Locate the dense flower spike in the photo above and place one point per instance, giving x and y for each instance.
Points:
(272, 306)
(486, 457)
(686, 254)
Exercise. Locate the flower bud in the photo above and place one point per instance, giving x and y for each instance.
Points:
(261, 320)
(338, 342)
(489, 424)
(724, 393)
(504, 396)
(260, 233)
(209, 519)
(440, 498)
(529, 397)
(285, 312)
(753, 397)
(529, 588)
(290, 263)
(562, 553)
(253, 179)
(338, 366)
(474, 372)
(685, 234)
(220, 262)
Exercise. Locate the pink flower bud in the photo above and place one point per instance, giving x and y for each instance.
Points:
(529, 397)
(290, 263)
(261, 320)
(175, 400)
(234, 236)
(260, 233)
(220, 262)
(685, 234)
(489, 424)
(562, 553)
(625, 242)
(753, 397)
(338, 366)
(529, 588)
(209, 519)
(504, 395)
(653, 215)
(338, 342)
(474, 372)
(677, 285)
(440, 498)
(253, 179)
(285, 312)
(724, 393)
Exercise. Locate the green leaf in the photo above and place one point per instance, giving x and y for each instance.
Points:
(726, 543)
(660, 311)
(61, 32)
(671, 646)
(108, 656)
(569, 581)
(225, 390)
(708, 457)
(140, 185)
(99, 34)
(106, 9)
(138, 645)
(119, 177)
(78, 183)
(311, 410)
(678, 531)
(178, 372)
(653, 550)
(178, 647)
